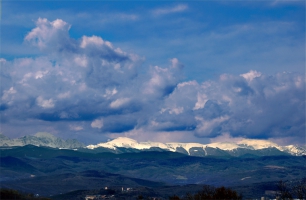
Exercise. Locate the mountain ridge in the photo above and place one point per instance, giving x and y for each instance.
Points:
(246, 145)
(41, 139)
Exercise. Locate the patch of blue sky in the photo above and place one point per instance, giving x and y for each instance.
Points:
(210, 38)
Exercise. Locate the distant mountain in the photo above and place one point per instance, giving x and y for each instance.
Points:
(243, 148)
(246, 147)
(41, 139)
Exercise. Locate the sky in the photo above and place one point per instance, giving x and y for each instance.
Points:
(167, 71)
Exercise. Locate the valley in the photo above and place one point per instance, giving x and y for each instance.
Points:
(50, 171)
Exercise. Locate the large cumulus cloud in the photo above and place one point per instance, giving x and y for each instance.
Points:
(87, 85)
(254, 105)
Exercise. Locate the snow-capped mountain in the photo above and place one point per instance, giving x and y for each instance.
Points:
(41, 139)
(246, 147)
(243, 147)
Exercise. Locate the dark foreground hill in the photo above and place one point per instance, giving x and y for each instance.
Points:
(85, 180)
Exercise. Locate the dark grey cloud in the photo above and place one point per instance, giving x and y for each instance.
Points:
(88, 86)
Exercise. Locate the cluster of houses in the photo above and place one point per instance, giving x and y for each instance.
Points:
(99, 197)
(123, 190)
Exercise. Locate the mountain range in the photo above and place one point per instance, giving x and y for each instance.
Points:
(41, 139)
(245, 147)
(254, 168)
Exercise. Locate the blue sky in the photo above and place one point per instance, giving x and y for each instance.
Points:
(160, 71)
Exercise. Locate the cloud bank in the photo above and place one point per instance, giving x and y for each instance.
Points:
(87, 86)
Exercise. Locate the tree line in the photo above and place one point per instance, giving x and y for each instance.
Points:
(291, 189)
(210, 192)
(286, 190)
(14, 194)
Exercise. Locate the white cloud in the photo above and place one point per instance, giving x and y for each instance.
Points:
(8, 96)
(119, 102)
(175, 63)
(7, 93)
(124, 16)
(101, 63)
(64, 95)
(201, 100)
(205, 127)
(176, 110)
(226, 137)
(76, 128)
(2, 60)
(47, 32)
(163, 80)
(192, 83)
(175, 9)
(94, 40)
(81, 60)
(40, 74)
(109, 93)
(156, 80)
(44, 103)
(251, 75)
(97, 123)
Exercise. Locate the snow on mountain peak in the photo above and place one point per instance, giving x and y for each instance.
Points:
(251, 144)
(122, 140)
(118, 142)
(224, 145)
(294, 150)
